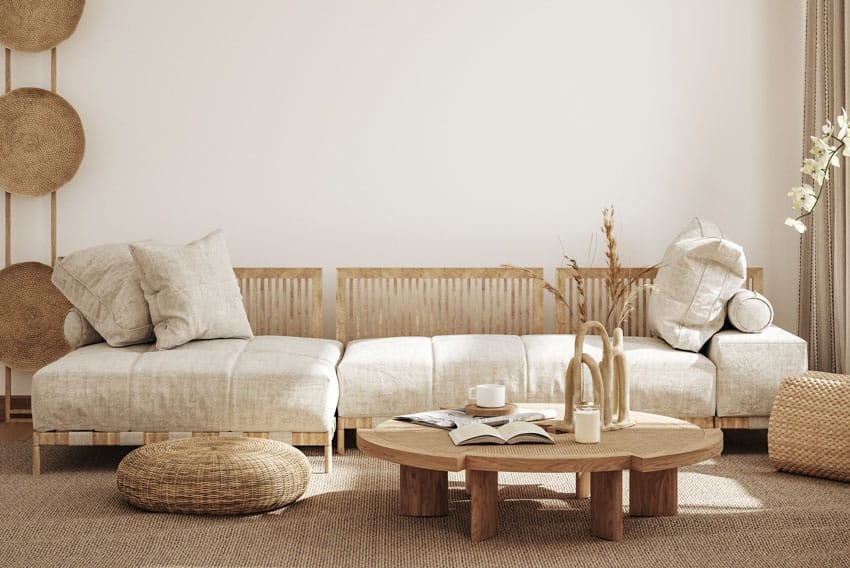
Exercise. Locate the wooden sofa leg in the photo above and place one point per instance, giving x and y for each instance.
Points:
(340, 436)
(328, 456)
(36, 455)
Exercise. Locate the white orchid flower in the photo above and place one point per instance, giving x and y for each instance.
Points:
(815, 169)
(810, 167)
(843, 124)
(797, 224)
(821, 146)
(803, 197)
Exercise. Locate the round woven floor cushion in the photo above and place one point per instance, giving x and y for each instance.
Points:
(809, 428)
(213, 476)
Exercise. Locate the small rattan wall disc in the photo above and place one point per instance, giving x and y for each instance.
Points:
(41, 142)
(36, 25)
(33, 312)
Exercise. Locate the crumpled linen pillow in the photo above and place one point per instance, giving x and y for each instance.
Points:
(700, 271)
(749, 311)
(191, 290)
(102, 282)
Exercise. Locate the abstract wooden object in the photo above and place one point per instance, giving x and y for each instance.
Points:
(610, 380)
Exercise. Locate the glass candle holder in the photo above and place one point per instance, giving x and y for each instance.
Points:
(587, 420)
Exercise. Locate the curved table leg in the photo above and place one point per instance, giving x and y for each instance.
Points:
(484, 496)
(423, 492)
(654, 493)
(606, 504)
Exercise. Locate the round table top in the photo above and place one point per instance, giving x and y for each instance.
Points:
(654, 443)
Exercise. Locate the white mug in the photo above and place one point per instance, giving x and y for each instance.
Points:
(488, 396)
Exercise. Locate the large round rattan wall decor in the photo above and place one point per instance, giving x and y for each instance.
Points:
(41, 142)
(33, 311)
(36, 25)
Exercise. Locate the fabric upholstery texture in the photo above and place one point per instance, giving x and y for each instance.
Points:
(663, 380)
(398, 375)
(749, 311)
(191, 290)
(463, 361)
(78, 331)
(268, 383)
(700, 271)
(386, 376)
(102, 282)
(750, 367)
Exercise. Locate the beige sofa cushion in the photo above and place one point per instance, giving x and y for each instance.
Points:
(191, 290)
(386, 376)
(78, 331)
(750, 367)
(103, 283)
(463, 361)
(264, 384)
(663, 380)
(700, 271)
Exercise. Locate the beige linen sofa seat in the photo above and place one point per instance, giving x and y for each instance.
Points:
(663, 380)
(465, 334)
(269, 384)
(380, 378)
(273, 385)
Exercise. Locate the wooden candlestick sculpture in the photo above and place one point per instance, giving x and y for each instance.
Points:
(610, 380)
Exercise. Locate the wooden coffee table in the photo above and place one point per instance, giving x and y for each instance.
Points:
(652, 451)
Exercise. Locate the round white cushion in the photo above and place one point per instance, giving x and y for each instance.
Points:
(749, 311)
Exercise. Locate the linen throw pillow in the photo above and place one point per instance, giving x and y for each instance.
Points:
(191, 290)
(103, 283)
(700, 271)
(749, 311)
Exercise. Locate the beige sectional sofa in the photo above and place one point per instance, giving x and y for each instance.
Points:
(408, 339)
(483, 326)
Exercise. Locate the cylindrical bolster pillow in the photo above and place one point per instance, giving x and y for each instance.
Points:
(78, 331)
(749, 311)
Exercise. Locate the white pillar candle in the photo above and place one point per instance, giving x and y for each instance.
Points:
(588, 423)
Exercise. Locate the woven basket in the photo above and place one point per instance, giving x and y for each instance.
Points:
(36, 25)
(32, 316)
(809, 430)
(41, 142)
(213, 476)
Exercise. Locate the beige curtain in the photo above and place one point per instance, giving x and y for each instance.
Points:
(823, 306)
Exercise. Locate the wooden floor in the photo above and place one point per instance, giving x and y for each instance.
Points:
(15, 432)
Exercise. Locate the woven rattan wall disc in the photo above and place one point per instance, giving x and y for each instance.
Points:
(36, 25)
(33, 312)
(41, 142)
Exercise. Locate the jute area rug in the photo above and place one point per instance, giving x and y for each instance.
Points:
(733, 511)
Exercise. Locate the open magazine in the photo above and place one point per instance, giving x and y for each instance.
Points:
(513, 433)
(456, 417)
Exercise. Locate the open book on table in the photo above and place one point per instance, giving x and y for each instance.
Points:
(456, 417)
(510, 433)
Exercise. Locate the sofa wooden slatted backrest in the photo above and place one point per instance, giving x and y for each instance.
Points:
(598, 305)
(388, 302)
(282, 301)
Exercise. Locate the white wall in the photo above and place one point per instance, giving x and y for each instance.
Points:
(429, 132)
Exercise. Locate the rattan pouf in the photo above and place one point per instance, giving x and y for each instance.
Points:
(809, 429)
(213, 476)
